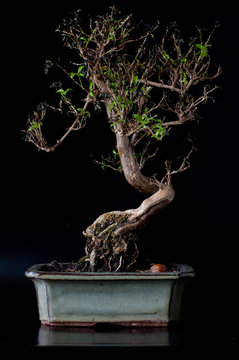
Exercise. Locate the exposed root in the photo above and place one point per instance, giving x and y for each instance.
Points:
(106, 251)
(111, 243)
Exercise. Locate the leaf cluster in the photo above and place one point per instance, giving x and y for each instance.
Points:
(143, 77)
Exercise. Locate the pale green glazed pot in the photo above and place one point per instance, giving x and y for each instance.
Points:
(129, 299)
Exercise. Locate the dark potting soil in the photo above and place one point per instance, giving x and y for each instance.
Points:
(56, 266)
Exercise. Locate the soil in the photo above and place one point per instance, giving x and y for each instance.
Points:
(55, 266)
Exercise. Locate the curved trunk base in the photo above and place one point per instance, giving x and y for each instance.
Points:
(107, 251)
(111, 243)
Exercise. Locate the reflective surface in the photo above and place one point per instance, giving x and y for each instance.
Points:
(29, 340)
(108, 336)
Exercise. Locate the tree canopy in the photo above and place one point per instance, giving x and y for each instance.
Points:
(148, 80)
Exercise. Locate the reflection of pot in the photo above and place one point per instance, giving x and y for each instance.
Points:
(130, 299)
(50, 336)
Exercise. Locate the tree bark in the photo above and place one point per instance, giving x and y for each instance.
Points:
(141, 216)
(111, 241)
(131, 168)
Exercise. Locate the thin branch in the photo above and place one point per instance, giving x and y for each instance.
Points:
(68, 74)
(160, 85)
(183, 166)
(35, 135)
(189, 112)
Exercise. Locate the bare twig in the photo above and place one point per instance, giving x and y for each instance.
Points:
(160, 85)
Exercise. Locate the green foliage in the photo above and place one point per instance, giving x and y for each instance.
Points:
(79, 111)
(111, 161)
(165, 55)
(91, 85)
(120, 105)
(203, 50)
(86, 40)
(111, 34)
(146, 90)
(80, 74)
(82, 112)
(154, 125)
(113, 77)
(158, 129)
(103, 165)
(135, 80)
(34, 125)
(116, 154)
(111, 74)
(63, 94)
(183, 79)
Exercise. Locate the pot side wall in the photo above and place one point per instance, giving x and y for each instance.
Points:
(144, 302)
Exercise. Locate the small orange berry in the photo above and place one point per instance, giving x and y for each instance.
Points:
(158, 268)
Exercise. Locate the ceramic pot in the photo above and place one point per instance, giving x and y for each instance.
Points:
(129, 299)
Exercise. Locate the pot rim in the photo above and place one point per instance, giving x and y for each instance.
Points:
(34, 272)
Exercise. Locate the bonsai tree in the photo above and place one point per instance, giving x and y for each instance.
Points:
(148, 84)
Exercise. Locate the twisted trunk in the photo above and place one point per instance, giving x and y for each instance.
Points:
(130, 167)
(112, 239)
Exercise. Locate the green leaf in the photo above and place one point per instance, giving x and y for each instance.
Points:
(184, 80)
(79, 71)
(143, 89)
(112, 104)
(116, 154)
(160, 131)
(146, 90)
(138, 117)
(165, 55)
(72, 74)
(63, 92)
(159, 121)
(135, 79)
(84, 39)
(111, 36)
(120, 99)
(34, 125)
(203, 49)
(80, 68)
(199, 46)
(83, 112)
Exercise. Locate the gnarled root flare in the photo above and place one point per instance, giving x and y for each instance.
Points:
(107, 251)
(111, 243)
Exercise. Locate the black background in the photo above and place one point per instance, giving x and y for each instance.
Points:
(47, 200)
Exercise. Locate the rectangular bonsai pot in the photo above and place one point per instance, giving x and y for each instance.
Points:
(128, 299)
